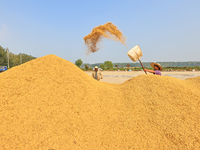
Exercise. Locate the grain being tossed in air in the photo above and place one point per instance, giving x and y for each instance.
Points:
(49, 103)
(108, 30)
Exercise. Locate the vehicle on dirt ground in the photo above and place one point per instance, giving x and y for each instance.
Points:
(3, 68)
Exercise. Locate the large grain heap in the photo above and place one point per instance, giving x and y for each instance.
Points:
(107, 30)
(49, 103)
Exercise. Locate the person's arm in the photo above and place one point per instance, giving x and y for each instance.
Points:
(151, 71)
(101, 75)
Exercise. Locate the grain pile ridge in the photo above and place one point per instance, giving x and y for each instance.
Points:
(49, 103)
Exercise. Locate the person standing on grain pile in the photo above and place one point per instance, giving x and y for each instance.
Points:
(157, 68)
(97, 74)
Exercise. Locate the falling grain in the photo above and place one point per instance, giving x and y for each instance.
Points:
(107, 30)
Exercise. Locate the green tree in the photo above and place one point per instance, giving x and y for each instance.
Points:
(86, 67)
(79, 62)
(3, 57)
(108, 64)
(102, 66)
(14, 59)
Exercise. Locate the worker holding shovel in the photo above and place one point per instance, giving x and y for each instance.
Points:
(157, 68)
(135, 54)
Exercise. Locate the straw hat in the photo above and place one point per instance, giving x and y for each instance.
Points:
(96, 67)
(157, 64)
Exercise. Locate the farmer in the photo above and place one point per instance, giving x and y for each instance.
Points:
(157, 68)
(97, 74)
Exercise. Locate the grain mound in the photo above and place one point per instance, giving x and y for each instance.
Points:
(107, 30)
(49, 103)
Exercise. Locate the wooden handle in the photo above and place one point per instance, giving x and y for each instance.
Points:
(142, 66)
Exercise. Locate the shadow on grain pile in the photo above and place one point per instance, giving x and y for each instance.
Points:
(49, 103)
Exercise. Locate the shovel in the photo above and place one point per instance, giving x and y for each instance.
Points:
(135, 54)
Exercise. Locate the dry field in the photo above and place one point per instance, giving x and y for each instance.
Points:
(122, 76)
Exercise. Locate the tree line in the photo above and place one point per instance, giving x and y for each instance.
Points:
(14, 59)
(147, 64)
(107, 65)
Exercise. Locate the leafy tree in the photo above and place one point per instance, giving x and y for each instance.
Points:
(102, 66)
(108, 64)
(14, 59)
(116, 66)
(79, 62)
(3, 57)
(86, 67)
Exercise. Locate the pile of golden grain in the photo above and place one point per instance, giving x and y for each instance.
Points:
(49, 103)
(107, 30)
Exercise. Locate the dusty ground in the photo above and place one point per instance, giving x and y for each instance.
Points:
(122, 76)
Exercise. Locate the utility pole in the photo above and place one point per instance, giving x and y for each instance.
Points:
(8, 57)
(20, 58)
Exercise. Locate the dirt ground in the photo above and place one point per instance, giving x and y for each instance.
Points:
(122, 76)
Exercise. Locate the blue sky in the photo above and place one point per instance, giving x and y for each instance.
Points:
(165, 30)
